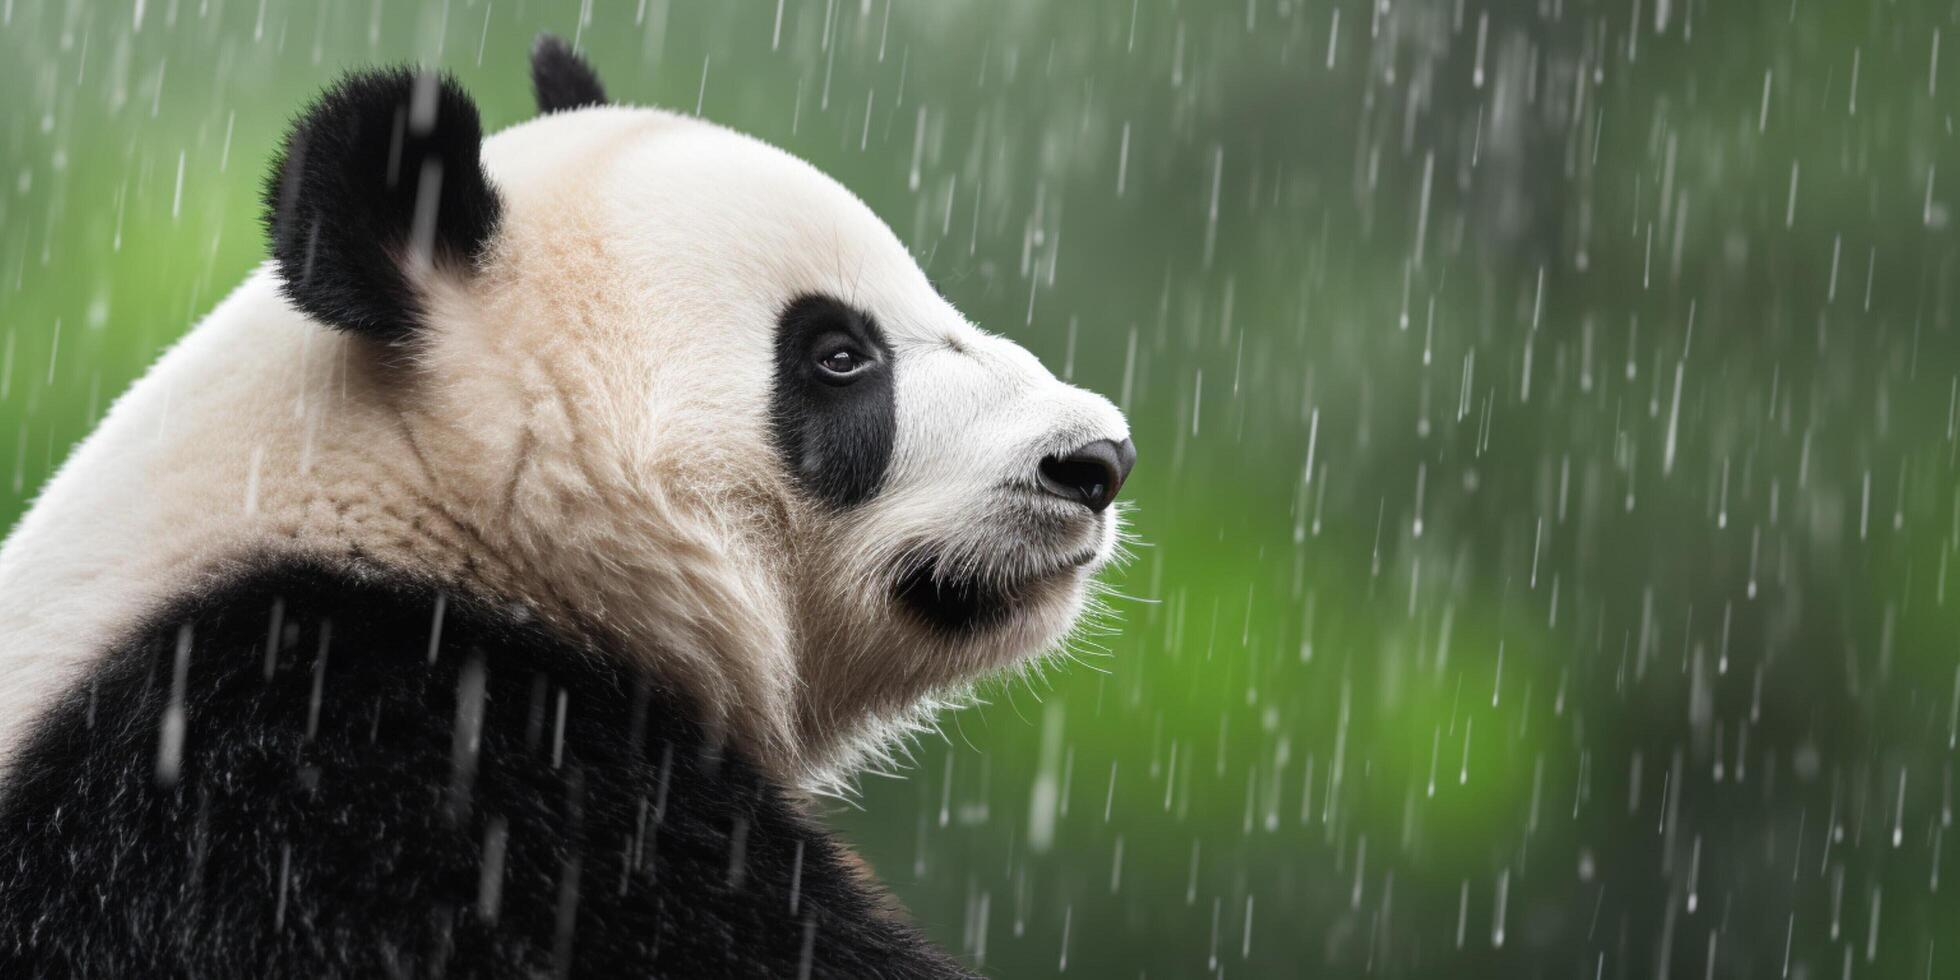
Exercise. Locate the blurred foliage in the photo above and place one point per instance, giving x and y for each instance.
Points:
(1547, 417)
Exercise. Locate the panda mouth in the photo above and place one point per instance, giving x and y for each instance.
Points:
(956, 600)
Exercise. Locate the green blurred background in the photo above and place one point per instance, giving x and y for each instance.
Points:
(1547, 415)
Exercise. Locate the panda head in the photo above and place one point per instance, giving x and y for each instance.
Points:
(693, 397)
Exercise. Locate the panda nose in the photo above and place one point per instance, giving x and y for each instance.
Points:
(1090, 474)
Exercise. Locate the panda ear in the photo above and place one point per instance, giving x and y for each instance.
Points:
(561, 79)
(379, 184)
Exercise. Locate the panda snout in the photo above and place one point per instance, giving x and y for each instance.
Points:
(1090, 474)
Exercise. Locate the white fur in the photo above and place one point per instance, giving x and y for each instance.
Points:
(583, 431)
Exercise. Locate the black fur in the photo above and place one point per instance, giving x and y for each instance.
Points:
(949, 601)
(836, 439)
(342, 200)
(561, 79)
(376, 780)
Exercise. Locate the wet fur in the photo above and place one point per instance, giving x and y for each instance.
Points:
(318, 771)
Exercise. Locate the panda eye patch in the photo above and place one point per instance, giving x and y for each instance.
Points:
(832, 414)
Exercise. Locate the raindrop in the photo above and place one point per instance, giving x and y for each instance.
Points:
(170, 740)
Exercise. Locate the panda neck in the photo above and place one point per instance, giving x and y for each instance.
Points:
(262, 434)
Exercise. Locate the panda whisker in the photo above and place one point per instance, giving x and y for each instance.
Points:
(1040, 673)
(960, 727)
(1009, 690)
(1084, 664)
(847, 796)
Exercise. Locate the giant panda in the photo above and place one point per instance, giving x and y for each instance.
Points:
(487, 585)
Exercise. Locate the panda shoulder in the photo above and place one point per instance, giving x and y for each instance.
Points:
(370, 755)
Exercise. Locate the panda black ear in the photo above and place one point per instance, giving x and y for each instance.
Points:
(561, 79)
(380, 183)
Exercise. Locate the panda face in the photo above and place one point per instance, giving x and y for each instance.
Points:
(928, 502)
(955, 501)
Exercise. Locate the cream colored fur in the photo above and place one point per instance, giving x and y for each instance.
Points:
(583, 432)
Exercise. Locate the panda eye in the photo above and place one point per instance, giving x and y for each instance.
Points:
(842, 362)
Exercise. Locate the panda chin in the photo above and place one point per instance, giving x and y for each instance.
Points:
(958, 602)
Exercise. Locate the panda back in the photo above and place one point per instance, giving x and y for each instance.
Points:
(317, 771)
